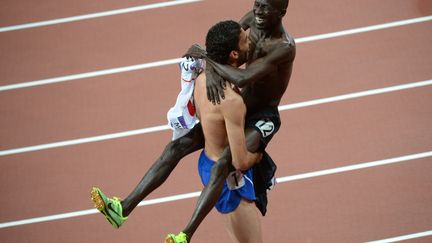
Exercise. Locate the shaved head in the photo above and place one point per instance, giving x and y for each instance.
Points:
(280, 4)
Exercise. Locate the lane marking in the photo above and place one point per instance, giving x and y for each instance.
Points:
(166, 127)
(196, 194)
(96, 15)
(177, 60)
(95, 211)
(356, 95)
(355, 167)
(84, 140)
(90, 74)
(366, 29)
(404, 237)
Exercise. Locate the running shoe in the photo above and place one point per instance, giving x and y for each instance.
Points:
(110, 208)
(180, 238)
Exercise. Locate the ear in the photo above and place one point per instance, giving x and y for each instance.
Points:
(234, 55)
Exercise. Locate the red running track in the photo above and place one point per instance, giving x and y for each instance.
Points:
(361, 205)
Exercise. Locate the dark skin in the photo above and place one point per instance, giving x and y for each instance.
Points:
(263, 83)
(163, 166)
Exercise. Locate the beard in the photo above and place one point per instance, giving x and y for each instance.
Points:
(243, 57)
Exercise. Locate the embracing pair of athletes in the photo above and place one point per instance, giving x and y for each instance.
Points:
(235, 131)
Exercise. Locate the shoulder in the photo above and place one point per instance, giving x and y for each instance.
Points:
(200, 90)
(232, 94)
(286, 43)
(200, 80)
(284, 48)
(247, 20)
(233, 100)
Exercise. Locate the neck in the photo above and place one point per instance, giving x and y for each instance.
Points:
(233, 63)
(274, 32)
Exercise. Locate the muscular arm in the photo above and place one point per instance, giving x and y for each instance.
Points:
(233, 111)
(246, 21)
(258, 69)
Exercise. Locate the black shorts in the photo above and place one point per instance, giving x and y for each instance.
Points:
(266, 121)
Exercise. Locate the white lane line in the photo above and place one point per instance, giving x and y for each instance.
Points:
(94, 211)
(90, 74)
(165, 127)
(356, 95)
(176, 60)
(404, 237)
(365, 29)
(84, 140)
(355, 167)
(196, 194)
(96, 15)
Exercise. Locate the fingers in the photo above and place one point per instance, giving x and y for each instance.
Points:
(213, 95)
(210, 95)
(215, 86)
(220, 89)
(221, 94)
(216, 95)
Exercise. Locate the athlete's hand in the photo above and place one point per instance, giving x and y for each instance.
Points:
(196, 51)
(215, 85)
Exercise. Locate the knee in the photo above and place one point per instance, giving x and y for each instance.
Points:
(177, 149)
(171, 153)
(253, 140)
(220, 169)
(218, 176)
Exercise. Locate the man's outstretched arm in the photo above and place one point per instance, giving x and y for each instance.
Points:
(257, 70)
(247, 20)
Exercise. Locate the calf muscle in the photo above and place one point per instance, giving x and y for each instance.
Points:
(157, 174)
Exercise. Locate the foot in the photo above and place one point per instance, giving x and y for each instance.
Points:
(180, 238)
(110, 208)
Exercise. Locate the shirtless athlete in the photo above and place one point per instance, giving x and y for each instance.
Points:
(264, 81)
(227, 43)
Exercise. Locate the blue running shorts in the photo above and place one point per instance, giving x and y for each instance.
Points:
(229, 200)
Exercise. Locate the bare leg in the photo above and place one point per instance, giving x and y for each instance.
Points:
(213, 189)
(244, 224)
(164, 165)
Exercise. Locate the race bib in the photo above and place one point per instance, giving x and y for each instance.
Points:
(266, 127)
(235, 180)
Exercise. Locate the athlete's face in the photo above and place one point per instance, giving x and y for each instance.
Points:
(243, 48)
(266, 13)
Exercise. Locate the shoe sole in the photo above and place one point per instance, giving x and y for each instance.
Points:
(99, 203)
(97, 200)
(168, 239)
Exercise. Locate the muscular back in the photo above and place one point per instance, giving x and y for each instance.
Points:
(222, 123)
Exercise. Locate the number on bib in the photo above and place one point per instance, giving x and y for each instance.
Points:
(235, 180)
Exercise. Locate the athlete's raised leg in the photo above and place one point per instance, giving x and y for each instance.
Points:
(116, 211)
(164, 165)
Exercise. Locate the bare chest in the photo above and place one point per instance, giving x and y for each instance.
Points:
(260, 46)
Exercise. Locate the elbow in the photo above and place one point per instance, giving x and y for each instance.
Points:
(242, 82)
(241, 166)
